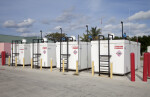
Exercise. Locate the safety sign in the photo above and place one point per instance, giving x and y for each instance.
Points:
(75, 52)
(44, 52)
(119, 53)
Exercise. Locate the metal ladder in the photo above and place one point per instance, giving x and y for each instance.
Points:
(104, 60)
(14, 54)
(64, 56)
(36, 54)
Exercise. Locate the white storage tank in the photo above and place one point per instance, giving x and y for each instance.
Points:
(120, 54)
(20, 51)
(148, 49)
(76, 52)
(45, 51)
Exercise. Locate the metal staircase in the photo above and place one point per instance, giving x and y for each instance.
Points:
(35, 52)
(104, 60)
(14, 48)
(64, 56)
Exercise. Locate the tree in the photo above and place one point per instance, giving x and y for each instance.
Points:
(94, 32)
(55, 36)
(84, 37)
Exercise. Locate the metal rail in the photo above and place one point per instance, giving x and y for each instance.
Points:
(15, 54)
(99, 49)
(61, 55)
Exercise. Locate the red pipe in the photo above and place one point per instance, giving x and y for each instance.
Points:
(132, 58)
(3, 57)
(148, 65)
(145, 67)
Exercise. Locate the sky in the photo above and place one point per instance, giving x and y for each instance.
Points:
(28, 17)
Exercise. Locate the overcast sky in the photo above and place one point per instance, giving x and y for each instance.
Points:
(28, 17)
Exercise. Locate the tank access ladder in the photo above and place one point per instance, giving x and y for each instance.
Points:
(64, 56)
(35, 53)
(15, 54)
(104, 60)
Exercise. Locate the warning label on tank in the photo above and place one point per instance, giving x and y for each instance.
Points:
(119, 53)
(44, 51)
(75, 52)
(75, 47)
(44, 47)
(118, 47)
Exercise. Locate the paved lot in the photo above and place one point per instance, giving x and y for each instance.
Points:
(24, 82)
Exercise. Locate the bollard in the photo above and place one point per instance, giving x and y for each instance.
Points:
(92, 68)
(111, 70)
(145, 67)
(51, 65)
(9, 61)
(3, 57)
(76, 67)
(148, 65)
(16, 61)
(23, 62)
(63, 66)
(31, 63)
(132, 60)
(41, 65)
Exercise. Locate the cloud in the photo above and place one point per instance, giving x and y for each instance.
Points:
(45, 21)
(30, 34)
(94, 5)
(66, 16)
(57, 27)
(111, 20)
(140, 16)
(22, 30)
(12, 24)
(35, 34)
(26, 23)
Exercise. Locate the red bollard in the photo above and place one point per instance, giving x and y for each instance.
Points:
(132, 58)
(148, 65)
(3, 57)
(145, 67)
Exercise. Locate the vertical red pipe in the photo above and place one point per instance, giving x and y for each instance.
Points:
(3, 57)
(4, 54)
(132, 58)
(148, 65)
(145, 67)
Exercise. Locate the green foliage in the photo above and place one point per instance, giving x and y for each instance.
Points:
(116, 37)
(144, 40)
(84, 37)
(55, 36)
(94, 32)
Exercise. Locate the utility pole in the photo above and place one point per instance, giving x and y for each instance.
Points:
(60, 47)
(122, 28)
(87, 45)
(41, 33)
